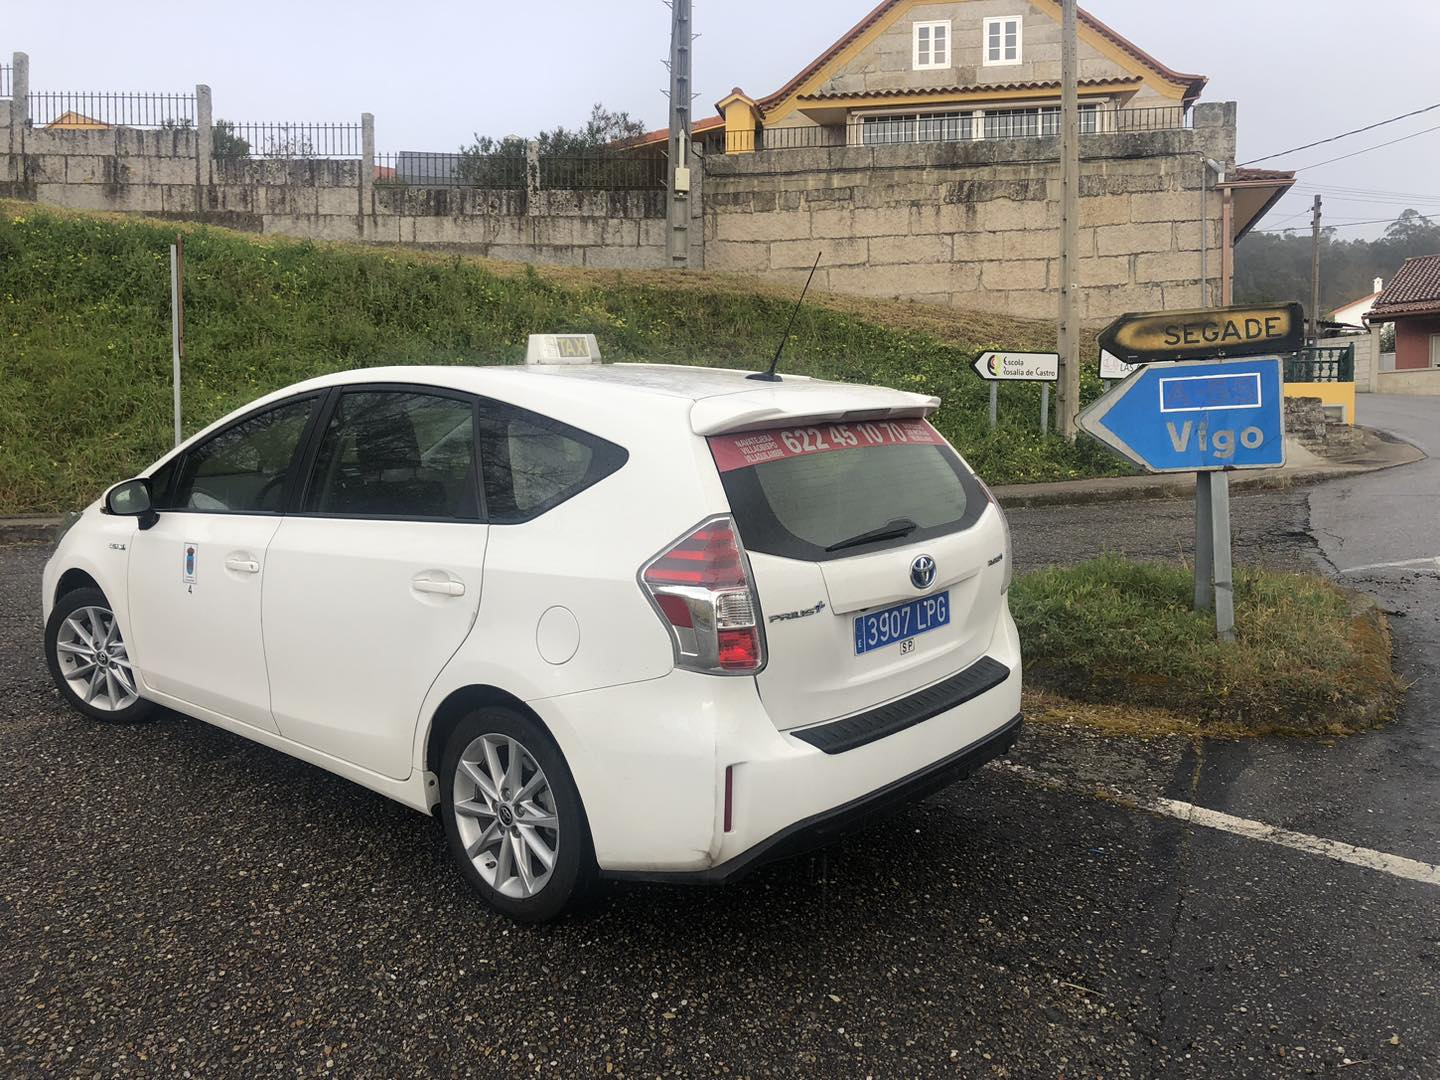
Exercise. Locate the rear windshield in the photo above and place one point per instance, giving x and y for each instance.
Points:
(801, 493)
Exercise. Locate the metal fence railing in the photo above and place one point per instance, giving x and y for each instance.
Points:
(6, 81)
(603, 172)
(248, 139)
(508, 171)
(1321, 363)
(89, 110)
(413, 168)
(949, 125)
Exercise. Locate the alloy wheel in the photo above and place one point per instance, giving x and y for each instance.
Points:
(505, 813)
(93, 659)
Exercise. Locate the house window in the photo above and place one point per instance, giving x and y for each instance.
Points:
(1029, 123)
(1002, 41)
(932, 45)
(925, 127)
(1435, 350)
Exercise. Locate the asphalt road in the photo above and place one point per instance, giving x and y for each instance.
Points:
(174, 899)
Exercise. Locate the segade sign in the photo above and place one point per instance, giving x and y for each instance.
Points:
(1207, 333)
(1195, 416)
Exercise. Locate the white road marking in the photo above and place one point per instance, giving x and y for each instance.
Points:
(1430, 562)
(1394, 865)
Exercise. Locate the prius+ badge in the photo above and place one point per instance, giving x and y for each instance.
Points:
(802, 613)
(922, 572)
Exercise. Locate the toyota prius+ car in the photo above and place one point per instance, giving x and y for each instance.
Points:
(621, 620)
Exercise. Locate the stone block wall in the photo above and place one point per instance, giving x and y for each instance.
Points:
(168, 173)
(976, 224)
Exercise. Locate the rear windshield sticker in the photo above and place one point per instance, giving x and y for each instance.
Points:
(743, 449)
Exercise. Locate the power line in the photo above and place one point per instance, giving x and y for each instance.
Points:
(1340, 224)
(1377, 146)
(1344, 135)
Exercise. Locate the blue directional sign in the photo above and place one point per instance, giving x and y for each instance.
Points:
(1195, 415)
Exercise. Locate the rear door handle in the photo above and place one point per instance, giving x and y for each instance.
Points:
(442, 588)
(244, 566)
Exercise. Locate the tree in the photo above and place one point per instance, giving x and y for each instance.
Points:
(1276, 266)
(491, 162)
(1413, 227)
(225, 144)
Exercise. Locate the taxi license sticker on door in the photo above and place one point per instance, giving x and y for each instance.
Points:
(187, 569)
(901, 623)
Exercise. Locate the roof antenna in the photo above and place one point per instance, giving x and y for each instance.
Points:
(769, 375)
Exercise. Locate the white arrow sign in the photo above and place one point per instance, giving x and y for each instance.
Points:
(1112, 367)
(1021, 366)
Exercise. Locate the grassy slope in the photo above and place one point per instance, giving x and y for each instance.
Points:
(85, 350)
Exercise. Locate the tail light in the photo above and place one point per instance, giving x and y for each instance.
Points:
(702, 590)
(1009, 559)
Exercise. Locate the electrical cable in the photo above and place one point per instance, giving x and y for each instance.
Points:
(1343, 135)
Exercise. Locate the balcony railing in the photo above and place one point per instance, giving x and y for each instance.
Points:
(946, 126)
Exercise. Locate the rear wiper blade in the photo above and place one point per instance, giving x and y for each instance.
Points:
(891, 530)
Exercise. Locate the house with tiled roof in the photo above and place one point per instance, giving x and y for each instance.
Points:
(923, 144)
(1412, 302)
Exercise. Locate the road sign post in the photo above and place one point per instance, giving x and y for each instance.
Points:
(1206, 417)
(998, 367)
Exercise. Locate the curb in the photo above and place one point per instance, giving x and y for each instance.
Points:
(30, 528)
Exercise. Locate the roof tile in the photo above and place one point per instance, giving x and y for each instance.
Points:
(1414, 290)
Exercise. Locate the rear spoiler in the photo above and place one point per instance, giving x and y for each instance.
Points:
(791, 404)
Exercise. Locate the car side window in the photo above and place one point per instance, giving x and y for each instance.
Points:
(244, 469)
(397, 454)
(532, 463)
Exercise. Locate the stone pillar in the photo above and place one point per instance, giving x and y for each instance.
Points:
(367, 170)
(20, 103)
(204, 142)
(532, 178)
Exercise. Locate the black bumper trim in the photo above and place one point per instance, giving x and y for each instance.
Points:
(837, 736)
(831, 824)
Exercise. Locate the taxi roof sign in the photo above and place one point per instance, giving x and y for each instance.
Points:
(562, 349)
(1206, 333)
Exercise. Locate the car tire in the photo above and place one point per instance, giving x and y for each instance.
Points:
(513, 817)
(89, 661)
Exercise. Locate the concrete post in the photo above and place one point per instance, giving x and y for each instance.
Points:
(367, 170)
(20, 105)
(204, 142)
(532, 178)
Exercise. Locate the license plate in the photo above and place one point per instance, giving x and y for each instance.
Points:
(901, 622)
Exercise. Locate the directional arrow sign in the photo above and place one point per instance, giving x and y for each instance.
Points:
(1019, 366)
(1194, 416)
(1208, 333)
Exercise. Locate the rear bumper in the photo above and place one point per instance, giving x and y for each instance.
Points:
(829, 825)
(651, 761)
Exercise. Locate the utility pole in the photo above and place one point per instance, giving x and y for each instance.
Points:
(677, 188)
(1315, 275)
(1067, 403)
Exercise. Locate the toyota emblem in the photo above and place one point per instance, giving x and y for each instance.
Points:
(922, 572)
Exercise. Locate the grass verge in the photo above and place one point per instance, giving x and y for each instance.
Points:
(1115, 644)
(85, 339)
